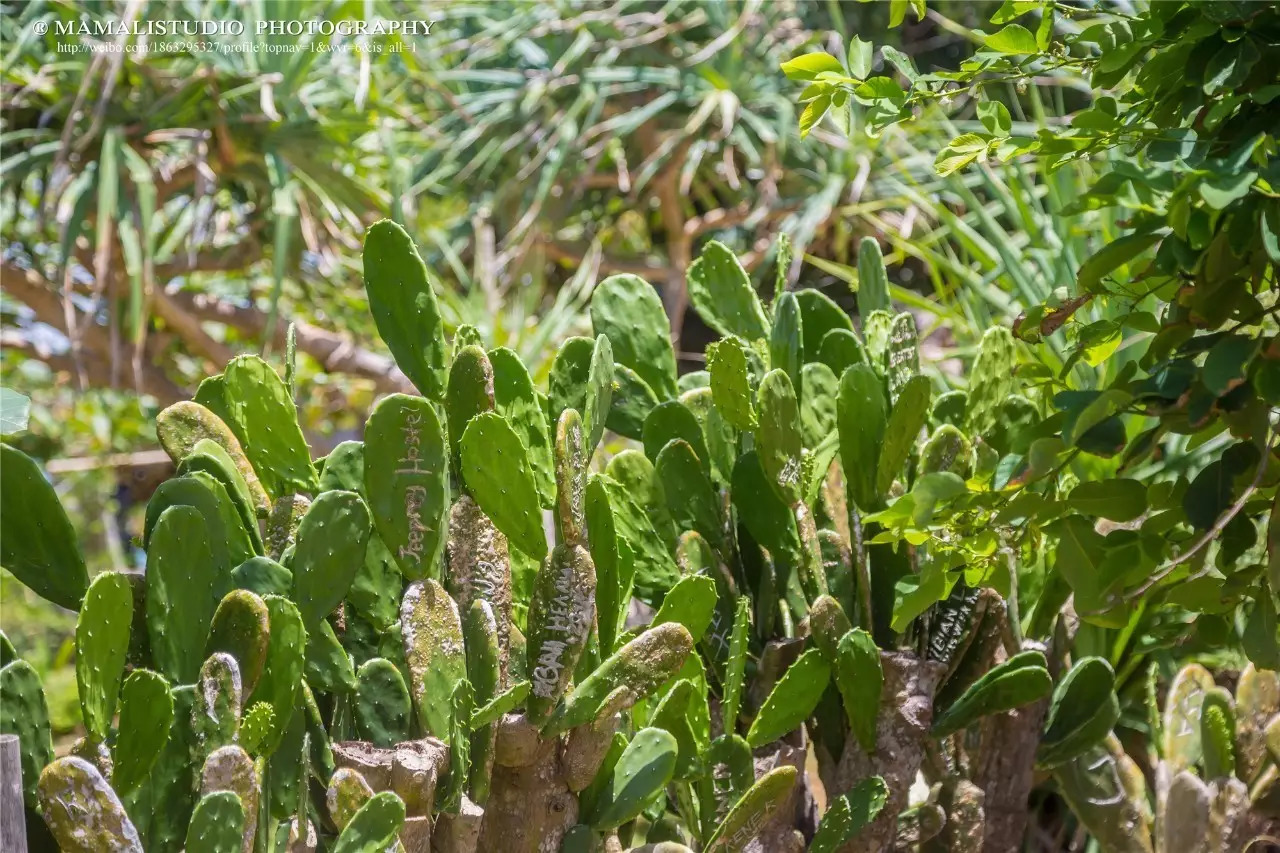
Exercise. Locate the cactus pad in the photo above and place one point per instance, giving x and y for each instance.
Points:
(182, 426)
(433, 648)
(629, 310)
(181, 583)
(217, 824)
(102, 641)
(517, 401)
(146, 713)
(791, 700)
(639, 776)
(329, 551)
(753, 810)
(383, 711)
(721, 292)
(562, 615)
(82, 811)
(496, 468)
(37, 542)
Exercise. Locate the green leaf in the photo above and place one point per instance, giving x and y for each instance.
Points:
(721, 292)
(1013, 39)
(1118, 500)
(806, 67)
(1111, 257)
(1020, 680)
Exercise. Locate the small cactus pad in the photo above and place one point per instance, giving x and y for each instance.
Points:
(873, 280)
(902, 355)
(181, 580)
(433, 647)
(517, 401)
(735, 670)
(215, 717)
(992, 380)
(383, 712)
(640, 666)
(146, 712)
(241, 628)
(1181, 724)
(374, 827)
(470, 391)
(404, 307)
(1020, 680)
(721, 292)
(599, 394)
(861, 420)
(848, 814)
(753, 810)
(347, 792)
(406, 478)
(629, 310)
(182, 426)
(778, 440)
(908, 416)
(1081, 714)
(693, 502)
(791, 700)
(24, 712)
(638, 777)
(691, 603)
(329, 551)
(217, 824)
(562, 616)
(82, 811)
(102, 642)
(571, 479)
(785, 338)
(842, 349)
(266, 422)
(860, 680)
(633, 400)
(667, 422)
(37, 541)
(495, 466)
(567, 379)
(819, 316)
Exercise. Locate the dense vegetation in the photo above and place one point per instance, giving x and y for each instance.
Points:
(1014, 538)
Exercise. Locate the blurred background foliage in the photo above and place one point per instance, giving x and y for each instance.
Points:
(162, 211)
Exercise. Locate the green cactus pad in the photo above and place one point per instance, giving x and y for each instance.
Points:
(639, 776)
(37, 542)
(819, 316)
(217, 824)
(406, 478)
(992, 379)
(818, 403)
(721, 292)
(862, 419)
(908, 416)
(182, 426)
(282, 674)
(102, 641)
(462, 705)
(146, 713)
(720, 437)
(433, 648)
(655, 570)
(161, 807)
(770, 793)
(82, 811)
(669, 421)
(641, 666)
(265, 420)
(210, 458)
(842, 349)
(633, 400)
(347, 792)
(791, 700)
(693, 502)
(1180, 742)
(181, 583)
(902, 354)
(729, 364)
(328, 665)
(256, 725)
(737, 663)
(786, 338)
(562, 615)
(567, 379)
(849, 814)
(343, 468)
(1020, 680)
(599, 398)
(241, 628)
(24, 712)
(329, 551)
(949, 408)
(496, 468)
(484, 672)
(1082, 712)
(282, 525)
(633, 471)
(778, 440)
(215, 718)
(602, 541)
(860, 680)
(947, 450)
(1105, 790)
(517, 401)
(873, 280)
(672, 715)
(691, 603)
(827, 625)
(470, 391)
(629, 310)
(769, 521)
(875, 330)
(503, 703)
(374, 828)
(262, 576)
(1217, 735)
(228, 538)
(383, 711)
(404, 307)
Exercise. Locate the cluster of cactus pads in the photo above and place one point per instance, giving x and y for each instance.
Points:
(382, 649)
